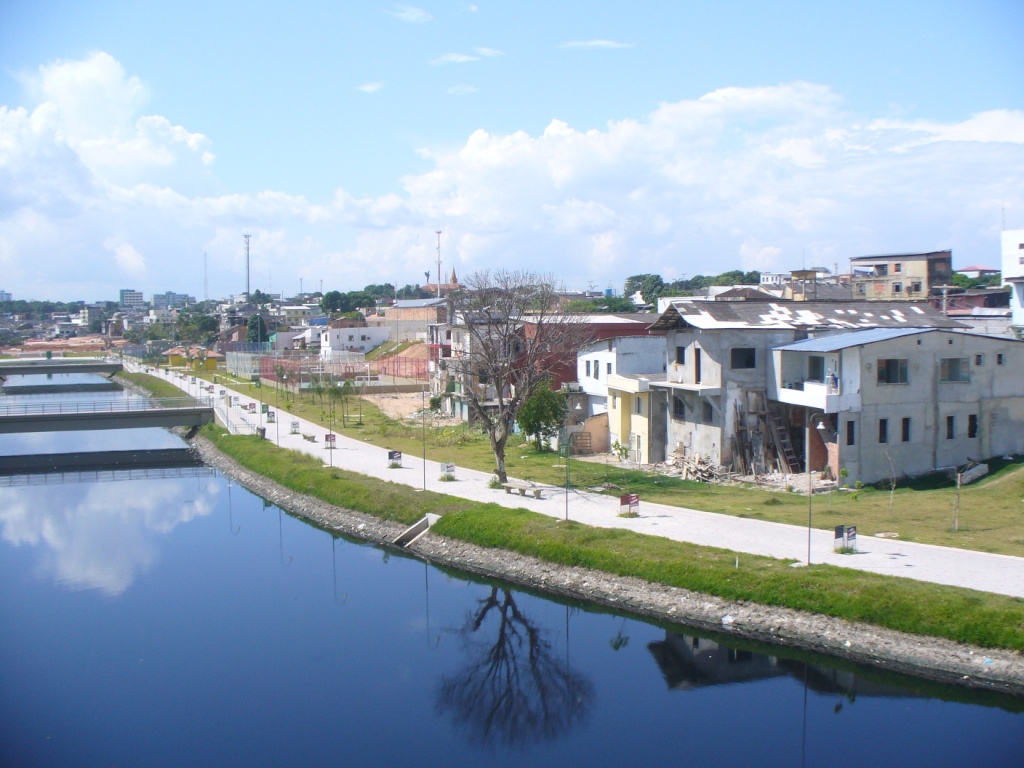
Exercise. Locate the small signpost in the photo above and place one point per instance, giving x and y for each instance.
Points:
(234, 399)
(846, 538)
(264, 407)
(329, 440)
(252, 407)
(629, 504)
(447, 468)
(394, 459)
(295, 428)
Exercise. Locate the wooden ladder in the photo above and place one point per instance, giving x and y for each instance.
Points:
(781, 436)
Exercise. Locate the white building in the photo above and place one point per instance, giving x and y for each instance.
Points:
(598, 360)
(904, 401)
(131, 299)
(334, 342)
(1013, 272)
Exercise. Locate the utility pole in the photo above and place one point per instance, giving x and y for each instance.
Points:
(438, 232)
(206, 289)
(246, 267)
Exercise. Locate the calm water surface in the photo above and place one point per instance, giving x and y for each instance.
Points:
(184, 621)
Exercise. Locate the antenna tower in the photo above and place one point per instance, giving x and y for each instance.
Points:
(246, 267)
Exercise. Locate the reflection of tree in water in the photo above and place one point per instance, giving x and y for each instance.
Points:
(516, 691)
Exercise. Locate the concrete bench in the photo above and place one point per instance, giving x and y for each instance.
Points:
(522, 488)
(311, 438)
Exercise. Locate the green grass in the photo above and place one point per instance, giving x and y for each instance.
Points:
(916, 607)
(158, 387)
(991, 511)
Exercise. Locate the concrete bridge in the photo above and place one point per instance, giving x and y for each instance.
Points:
(58, 365)
(105, 414)
(98, 461)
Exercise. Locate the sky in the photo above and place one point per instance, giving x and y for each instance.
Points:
(589, 141)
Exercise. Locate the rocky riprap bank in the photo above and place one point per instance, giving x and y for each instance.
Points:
(933, 658)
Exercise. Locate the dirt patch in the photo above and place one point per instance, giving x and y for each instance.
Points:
(403, 406)
(927, 657)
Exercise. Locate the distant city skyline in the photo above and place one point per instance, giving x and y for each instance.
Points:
(592, 141)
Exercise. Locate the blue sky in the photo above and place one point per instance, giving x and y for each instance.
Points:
(591, 140)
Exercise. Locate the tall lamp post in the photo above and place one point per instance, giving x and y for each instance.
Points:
(423, 420)
(807, 465)
(568, 451)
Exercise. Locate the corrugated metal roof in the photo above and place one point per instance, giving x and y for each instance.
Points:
(417, 303)
(837, 341)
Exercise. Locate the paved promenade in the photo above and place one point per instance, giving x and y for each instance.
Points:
(1001, 574)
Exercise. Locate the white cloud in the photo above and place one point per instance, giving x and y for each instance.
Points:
(595, 44)
(739, 177)
(461, 90)
(454, 58)
(488, 52)
(369, 87)
(410, 14)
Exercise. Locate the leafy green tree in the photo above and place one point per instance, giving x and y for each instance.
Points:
(334, 301)
(542, 414)
(650, 286)
(259, 298)
(257, 330)
(961, 281)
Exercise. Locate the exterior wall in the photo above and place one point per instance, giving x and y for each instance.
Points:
(341, 340)
(1013, 272)
(994, 395)
(625, 354)
(702, 432)
(895, 276)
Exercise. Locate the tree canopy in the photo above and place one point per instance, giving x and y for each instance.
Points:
(512, 334)
(542, 414)
(257, 330)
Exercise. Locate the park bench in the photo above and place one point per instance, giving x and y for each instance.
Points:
(311, 438)
(522, 488)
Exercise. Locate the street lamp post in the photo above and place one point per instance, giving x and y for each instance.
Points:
(807, 465)
(423, 420)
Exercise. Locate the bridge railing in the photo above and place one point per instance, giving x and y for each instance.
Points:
(104, 406)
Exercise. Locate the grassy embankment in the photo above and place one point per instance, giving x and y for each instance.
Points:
(991, 517)
(901, 604)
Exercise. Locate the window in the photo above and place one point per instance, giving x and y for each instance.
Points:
(897, 268)
(681, 355)
(892, 371)
(906, 430)
(696, 367)
(588, 369)
(851, 432)
(883, 430)
(972, 425)
(815, 368)
(639, 405)
(915, 287)
(744, 357)
(950, 427)
(954, 369)
(979, 359)
(609, 369)
(615, 400)
(897, 287)
(678, 408)
(1000, 359)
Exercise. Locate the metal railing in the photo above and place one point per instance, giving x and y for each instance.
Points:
(104, 406)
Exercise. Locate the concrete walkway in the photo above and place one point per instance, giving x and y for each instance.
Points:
(1001, 574)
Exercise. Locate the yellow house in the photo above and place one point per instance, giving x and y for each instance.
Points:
(633, 412)
(195, 358)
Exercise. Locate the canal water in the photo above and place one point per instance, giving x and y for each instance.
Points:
(171, 618)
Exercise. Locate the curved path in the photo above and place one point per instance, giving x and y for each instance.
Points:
(1001, 574)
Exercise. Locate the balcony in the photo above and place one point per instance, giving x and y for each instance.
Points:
(819, 395)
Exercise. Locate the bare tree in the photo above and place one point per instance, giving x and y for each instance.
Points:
(508, 333)
(515, 690)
